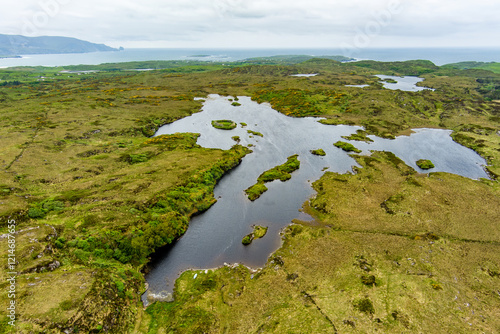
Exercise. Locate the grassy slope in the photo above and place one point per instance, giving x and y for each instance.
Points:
(81, 140)
(494, 67)
(82, 144)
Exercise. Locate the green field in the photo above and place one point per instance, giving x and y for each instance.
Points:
(94, 195)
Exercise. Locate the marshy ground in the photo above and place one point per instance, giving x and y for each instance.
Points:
(94, 196)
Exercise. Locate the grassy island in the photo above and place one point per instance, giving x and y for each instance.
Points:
(258, 232)
(319, 152)
(425, 164)
(360, 135)
(255, 133)
(224, 124)
(346, 147)
(281, 172)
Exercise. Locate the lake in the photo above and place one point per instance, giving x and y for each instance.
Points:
(214, 237)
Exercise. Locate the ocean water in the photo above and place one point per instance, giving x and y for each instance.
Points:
(439, 56)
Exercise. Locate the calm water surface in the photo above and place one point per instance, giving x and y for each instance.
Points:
(408, 83)
(214, 237)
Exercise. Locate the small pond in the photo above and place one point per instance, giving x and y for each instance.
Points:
(214, 237)
(359, 86)
(402, 83)
(304, 75)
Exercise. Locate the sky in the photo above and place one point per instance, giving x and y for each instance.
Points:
(260, 24)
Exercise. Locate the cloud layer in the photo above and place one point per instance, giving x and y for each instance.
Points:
(258, 23)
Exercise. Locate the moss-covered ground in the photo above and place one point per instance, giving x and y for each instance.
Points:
(93, 195)
(319, 152)
(425, 164)
(258, 232)
(224, 124)
(280, 172)
(346, 147)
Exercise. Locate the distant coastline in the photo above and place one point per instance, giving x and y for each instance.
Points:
(43, 45)
(10, 57)
(439, 56)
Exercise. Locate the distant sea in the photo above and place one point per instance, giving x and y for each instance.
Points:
(439, 56)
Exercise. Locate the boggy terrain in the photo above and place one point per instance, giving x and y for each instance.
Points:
(93, 196)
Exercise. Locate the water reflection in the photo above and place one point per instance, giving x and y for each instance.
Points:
(402, 83)
(214, 237)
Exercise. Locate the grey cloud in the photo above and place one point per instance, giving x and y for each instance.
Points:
(300, 21)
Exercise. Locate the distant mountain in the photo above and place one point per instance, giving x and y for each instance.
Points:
(13, 45)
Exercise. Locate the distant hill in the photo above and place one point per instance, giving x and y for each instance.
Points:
(492, 66)
(14, 45)
(292, 59)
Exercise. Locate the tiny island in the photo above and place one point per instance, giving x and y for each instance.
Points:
(224, 124)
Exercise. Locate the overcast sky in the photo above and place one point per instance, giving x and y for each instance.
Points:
(259, 23)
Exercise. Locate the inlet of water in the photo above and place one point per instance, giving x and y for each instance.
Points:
(214, 237)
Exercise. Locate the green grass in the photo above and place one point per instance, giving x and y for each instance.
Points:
(425, 164)
(492, 66)
(224, 124)
(281, 172)
(86, 141)
(255, 191)
(247, 239)
(255, 133)
(346, 147)
(258, 232)
(360, 135)
(319, 152)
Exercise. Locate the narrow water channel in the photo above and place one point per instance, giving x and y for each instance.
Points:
(214, 237)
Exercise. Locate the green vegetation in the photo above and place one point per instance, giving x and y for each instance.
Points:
(255, 133)
(291, 59)
(281, 172)
(319, 152)
(255, 191)
(258, 232)
(224, 124)
(364, 268)
(94, 194)
(360, 135)
(346, 147)
(247, 239)
(492, 66)
(236, 104)
(390, 80)
(425, 164)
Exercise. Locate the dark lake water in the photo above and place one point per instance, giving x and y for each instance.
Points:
(214, 237)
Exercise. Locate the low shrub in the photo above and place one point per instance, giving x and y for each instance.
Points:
(425, 164)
